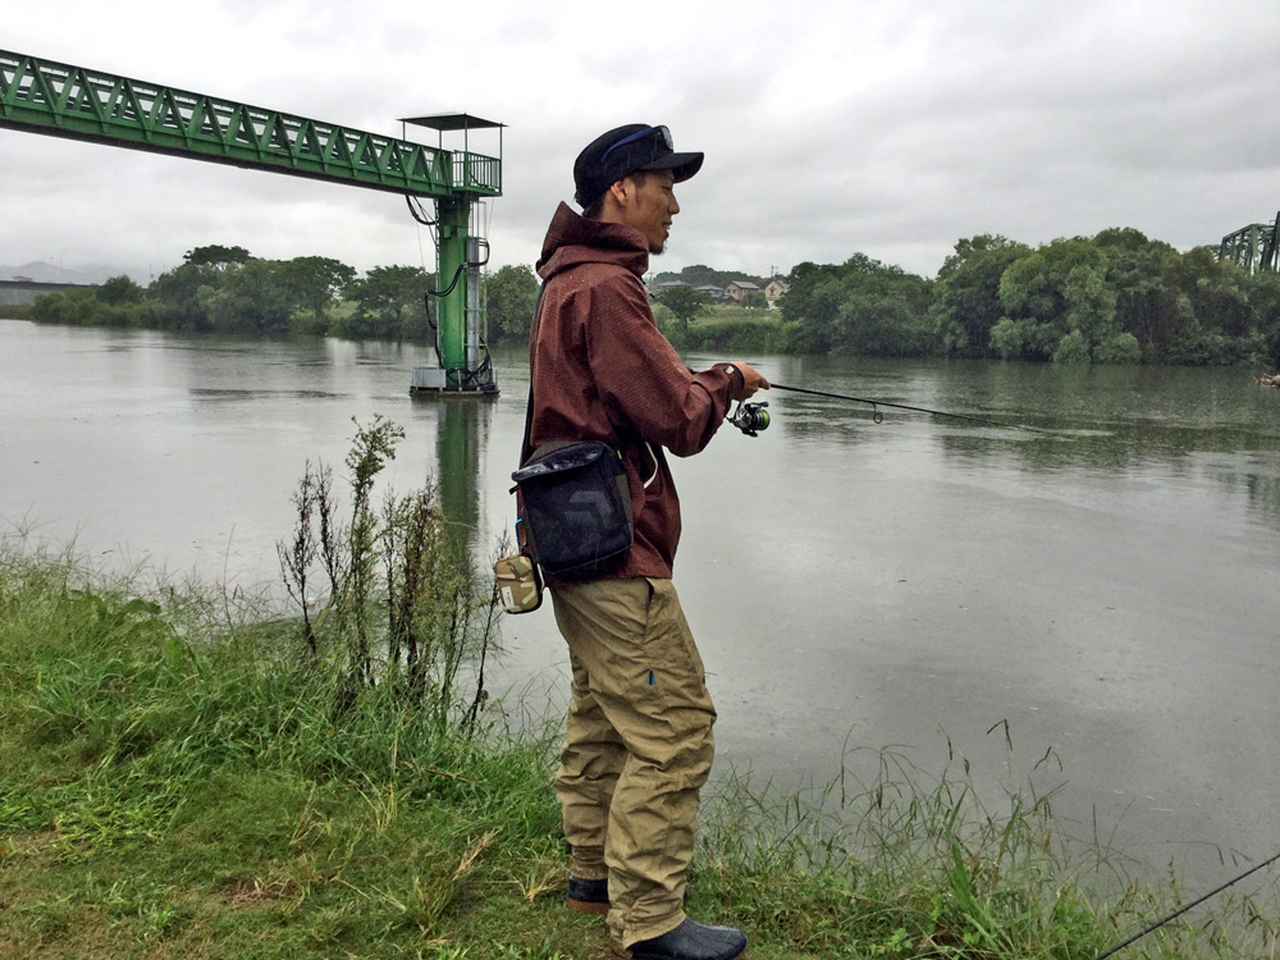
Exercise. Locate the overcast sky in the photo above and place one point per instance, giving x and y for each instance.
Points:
(830, 128)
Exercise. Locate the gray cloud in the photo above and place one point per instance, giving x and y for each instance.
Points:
(829, 128)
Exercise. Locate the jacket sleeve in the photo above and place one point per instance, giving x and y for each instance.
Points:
(639, 373)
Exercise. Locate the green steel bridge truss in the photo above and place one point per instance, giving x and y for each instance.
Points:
(61, 100)
(78, 103)
(1254, 248)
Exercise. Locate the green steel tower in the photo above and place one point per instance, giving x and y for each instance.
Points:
(78, 103)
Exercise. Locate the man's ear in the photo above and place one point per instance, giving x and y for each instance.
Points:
(622, 190)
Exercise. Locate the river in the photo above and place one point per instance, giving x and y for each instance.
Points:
(1110, 591)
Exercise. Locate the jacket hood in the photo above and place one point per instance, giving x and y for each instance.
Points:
(572, 240)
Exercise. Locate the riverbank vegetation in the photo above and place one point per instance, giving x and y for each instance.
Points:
(18, 311)
(220, 289)
(186, 773)
(725, 328)
(1117, 297)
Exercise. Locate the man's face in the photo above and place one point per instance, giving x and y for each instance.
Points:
(650, 206)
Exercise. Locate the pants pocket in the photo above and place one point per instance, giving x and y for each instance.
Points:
(667, 634)
(653, 615)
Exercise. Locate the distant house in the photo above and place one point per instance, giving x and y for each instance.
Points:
(712, 291)
(657, 286)
(774, 290)
(740, 290)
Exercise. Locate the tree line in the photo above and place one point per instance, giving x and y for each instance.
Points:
(221, 289)
(1116, 297)
(225, 289)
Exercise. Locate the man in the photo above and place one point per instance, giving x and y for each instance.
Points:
(639, 730)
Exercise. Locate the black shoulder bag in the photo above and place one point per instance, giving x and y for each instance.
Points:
(576, 519)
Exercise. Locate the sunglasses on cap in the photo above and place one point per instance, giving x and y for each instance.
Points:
(657, 140)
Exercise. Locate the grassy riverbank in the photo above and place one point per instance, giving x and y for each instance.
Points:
(175, 781)
(725, 327)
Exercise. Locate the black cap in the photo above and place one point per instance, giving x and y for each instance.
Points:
(623, 150)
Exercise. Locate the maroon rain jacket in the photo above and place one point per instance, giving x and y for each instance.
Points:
(602, 370)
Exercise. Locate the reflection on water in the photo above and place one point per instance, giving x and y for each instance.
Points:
(461, 438)
(1109, 589)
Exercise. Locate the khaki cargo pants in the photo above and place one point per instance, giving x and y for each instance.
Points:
(639, 747)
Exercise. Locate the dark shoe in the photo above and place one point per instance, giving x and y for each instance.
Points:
(589, 896)
(692, 941)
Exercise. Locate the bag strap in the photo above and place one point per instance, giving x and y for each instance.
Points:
(525, 449)
(528, 418)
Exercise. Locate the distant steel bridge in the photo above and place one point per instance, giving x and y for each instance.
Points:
(1253, 248)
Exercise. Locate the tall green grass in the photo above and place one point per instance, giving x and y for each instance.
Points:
(170, 780)
(184, 763)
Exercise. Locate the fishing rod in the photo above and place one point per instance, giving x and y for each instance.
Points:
(878, 417)
(751, 418)
(1181, 910)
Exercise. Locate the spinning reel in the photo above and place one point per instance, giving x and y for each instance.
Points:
(750, 418)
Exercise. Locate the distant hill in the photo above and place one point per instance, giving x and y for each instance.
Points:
(700, 275)
(43, 272)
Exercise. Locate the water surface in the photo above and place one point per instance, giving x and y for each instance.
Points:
(1110, 591)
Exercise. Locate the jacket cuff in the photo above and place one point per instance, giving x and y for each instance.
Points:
(737, 382)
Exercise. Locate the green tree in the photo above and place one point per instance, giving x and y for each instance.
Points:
(811, 306)
(1142, 273)
(700, 275)
(881, 326)
(1264, 297)
(1009, 337)
(1072, 349)
(1091, 307)
(254, 297)
(1119, 239)
(1058, 290)
(390, 304)
(119, 290)
(69, 307)
(511, 295)
(685, 302)
(178, 293)
(317, 282)
(860, 306)
(1118, 348)
(216, 255)
(1223, 321)
(966, 304)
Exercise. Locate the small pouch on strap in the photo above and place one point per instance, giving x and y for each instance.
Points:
(519, 584)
